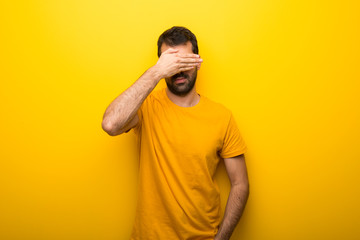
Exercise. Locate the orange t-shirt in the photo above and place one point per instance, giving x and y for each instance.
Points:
(180, 148)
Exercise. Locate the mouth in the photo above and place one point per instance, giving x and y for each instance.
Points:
(179, 80)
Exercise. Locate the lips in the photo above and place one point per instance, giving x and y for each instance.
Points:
(180, 80)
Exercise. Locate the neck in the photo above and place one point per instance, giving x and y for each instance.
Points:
(188, 100)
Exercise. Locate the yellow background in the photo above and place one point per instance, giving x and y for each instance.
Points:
(289, 71)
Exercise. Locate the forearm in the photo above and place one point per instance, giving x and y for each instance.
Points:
(234, 208)
(123, 109)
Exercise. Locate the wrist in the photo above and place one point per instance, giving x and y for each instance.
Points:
(155, 73)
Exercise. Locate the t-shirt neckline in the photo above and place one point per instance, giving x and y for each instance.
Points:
(180, 107)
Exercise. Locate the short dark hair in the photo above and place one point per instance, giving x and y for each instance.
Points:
(176, 36)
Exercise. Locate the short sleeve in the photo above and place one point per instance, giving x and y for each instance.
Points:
(140, 112)
(234, 144)
(140, 116)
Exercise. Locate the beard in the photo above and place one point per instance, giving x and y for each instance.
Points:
(184, 88)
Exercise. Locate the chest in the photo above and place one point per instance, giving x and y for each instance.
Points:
(189, 133)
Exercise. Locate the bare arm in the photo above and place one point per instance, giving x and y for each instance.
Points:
(236, 169)
(121, 114)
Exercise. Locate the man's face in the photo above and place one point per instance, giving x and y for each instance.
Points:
(181, 83)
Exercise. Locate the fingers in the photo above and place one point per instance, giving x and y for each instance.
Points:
(190, 60)
(183, 69)
(172, 62)
(189, 55)
(185, 57)
(188, 65)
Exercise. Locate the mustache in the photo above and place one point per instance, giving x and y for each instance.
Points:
(180, 74)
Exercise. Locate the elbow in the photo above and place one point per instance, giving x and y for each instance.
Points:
(243, 187)
(109, 128)
(244, 191)
(247, 189)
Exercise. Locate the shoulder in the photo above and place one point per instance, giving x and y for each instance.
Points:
(217, 108)
(158, 93)
(155, 96)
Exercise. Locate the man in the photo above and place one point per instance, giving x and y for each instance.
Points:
(182, 137)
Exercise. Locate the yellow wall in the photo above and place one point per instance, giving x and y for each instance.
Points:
(289, 71)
